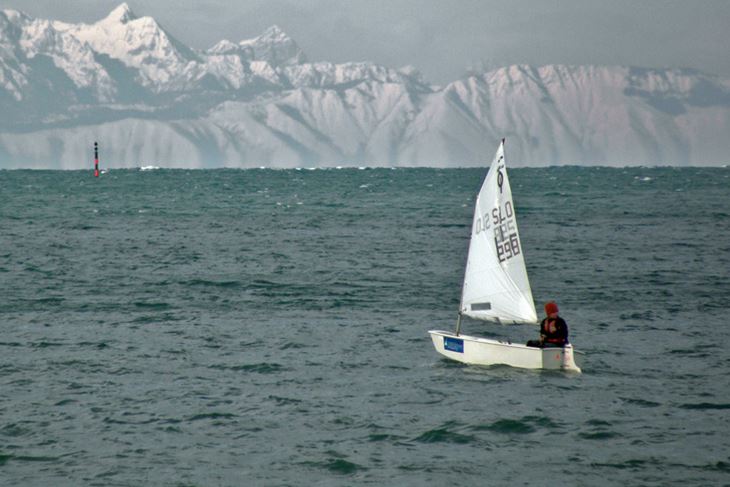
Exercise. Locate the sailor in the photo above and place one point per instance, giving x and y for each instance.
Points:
(553, 329)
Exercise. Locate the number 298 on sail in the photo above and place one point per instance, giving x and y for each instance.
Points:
(508, 247)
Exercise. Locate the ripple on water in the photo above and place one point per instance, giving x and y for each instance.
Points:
(215, 416)
(703, 406)
(644, 403)
(336, 464)
(508, 426)
(445, 434)
(259, 368)
(597, 429)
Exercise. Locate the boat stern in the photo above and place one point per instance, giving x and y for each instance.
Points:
(568, 359)
(563, 358)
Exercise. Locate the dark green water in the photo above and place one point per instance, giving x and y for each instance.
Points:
(265, 327)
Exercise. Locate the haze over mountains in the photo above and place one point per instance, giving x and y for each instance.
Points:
(148, 99)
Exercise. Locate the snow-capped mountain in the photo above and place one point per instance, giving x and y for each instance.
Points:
(126, 82)
(273, 46)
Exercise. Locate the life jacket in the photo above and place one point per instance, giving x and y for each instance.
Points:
(550, 328)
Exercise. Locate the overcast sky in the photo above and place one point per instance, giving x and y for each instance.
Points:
(444, 38)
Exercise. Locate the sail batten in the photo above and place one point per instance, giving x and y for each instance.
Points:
(495, 271)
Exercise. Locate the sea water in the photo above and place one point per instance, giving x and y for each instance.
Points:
(261, 327)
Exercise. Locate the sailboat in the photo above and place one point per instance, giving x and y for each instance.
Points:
(496, 287)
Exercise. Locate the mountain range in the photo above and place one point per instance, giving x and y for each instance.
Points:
(149, 99)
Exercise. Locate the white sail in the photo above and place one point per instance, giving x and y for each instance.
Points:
(496, 286)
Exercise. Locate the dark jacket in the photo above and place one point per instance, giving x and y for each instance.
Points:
(554, 332)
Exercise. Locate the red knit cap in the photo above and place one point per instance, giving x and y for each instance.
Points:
(551, 307)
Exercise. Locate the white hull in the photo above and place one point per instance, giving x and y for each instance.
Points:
(483, 351)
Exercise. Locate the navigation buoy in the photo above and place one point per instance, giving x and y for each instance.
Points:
(96, 160)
